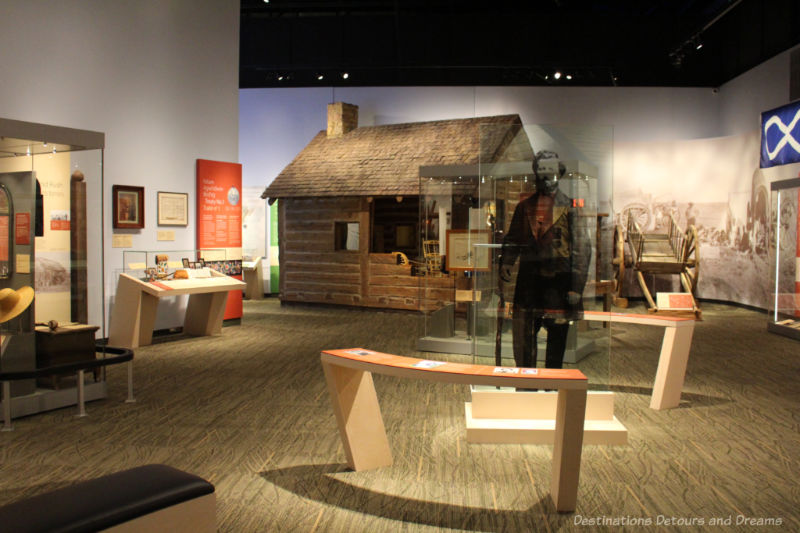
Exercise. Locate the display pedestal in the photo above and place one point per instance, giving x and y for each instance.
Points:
(253, 277)
(507, 416)
(136, 302)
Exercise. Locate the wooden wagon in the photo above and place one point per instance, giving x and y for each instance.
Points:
(675, 252)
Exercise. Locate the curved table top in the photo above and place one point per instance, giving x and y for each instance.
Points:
(443, 371)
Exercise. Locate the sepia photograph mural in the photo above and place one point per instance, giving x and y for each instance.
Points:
(715, 185)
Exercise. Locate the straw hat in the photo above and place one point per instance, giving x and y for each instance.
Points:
(14, 302)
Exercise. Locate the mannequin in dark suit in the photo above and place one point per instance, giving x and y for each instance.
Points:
(554, 252)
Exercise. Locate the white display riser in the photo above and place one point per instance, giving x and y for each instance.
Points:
(505, 416)
(47, 400)
(576, 350)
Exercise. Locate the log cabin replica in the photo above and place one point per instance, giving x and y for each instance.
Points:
(350, 201)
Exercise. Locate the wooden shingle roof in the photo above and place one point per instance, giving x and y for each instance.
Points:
(385, 160)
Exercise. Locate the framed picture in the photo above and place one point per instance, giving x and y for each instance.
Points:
(195, 264)
(150, 272)
(173, 208)
(186, 262)
(127, 206)
(201, 262)
(468, 250)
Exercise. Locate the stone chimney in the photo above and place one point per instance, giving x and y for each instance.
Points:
(342, 118)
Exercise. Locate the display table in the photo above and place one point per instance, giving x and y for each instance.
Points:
(358, 415)
(136, 302)
(674, 355)
(253, 273)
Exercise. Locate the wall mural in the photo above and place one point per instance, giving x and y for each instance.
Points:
(716, 185)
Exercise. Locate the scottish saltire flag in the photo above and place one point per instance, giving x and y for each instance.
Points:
(780, 135)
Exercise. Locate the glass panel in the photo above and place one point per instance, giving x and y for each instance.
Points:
(542, 201)
(452, 222)
(466, 213)
(54, 247)
(784, 315)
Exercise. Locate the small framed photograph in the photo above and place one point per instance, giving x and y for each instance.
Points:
(201, 262)
(127, 206)
(173, 208)
(151, 273)
(186, 262)
(195, 264)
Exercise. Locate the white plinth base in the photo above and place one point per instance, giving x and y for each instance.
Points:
(529, 418)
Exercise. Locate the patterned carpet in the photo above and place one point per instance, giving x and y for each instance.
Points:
(249, 411)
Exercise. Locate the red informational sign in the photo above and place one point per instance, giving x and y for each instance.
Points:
(22, 228)
(4, 238)
(219, 220)
(59, 225)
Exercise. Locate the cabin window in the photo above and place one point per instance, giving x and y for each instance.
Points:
(346, 236)
(395, 225)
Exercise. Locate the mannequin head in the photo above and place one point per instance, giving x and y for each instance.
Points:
(547, 170)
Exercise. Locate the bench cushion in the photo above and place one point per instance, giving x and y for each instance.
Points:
(105, 501)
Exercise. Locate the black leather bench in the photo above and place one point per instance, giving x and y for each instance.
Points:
(147, 498)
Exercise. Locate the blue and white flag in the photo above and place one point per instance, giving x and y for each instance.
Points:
(780, 135)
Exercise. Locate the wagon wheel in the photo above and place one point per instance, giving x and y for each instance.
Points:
(640, 214)
(619, 263)
(691, 261)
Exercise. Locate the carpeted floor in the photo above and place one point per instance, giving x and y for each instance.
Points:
(249, 411)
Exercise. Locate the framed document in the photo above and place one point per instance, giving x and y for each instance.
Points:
(173, 208)
(468, 250)
(127, 206)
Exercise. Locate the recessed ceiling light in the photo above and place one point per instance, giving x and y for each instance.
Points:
(320, 77)
(557, 75)
(345, 75)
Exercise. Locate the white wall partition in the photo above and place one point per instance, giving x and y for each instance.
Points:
(159, 78)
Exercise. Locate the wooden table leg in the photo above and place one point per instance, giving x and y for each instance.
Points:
(204, 313)
(132, 317)
(671, 367)
(358, 416)
(567, 449)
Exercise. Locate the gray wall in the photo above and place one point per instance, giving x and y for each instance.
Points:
(158, 77)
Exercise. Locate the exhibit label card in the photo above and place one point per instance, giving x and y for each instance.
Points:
(121, 240)
(165, 235)
(22, 228)
(23, 264)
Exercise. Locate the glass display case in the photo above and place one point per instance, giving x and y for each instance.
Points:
(508, 268)
(164, 263)
(784, 312)
(51, 243)
(465, 214)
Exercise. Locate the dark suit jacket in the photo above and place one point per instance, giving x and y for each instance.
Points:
(551, 265)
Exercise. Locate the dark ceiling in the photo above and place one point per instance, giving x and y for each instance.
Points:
(297, 43)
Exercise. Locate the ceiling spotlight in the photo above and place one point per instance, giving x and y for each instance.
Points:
(320, 77)
(280, 77)
(698, 46)
(569, 76)
(345, 75)
(557, 75)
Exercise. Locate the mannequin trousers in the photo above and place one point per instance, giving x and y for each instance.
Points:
(525, 327)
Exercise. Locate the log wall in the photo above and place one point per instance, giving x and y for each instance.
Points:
(311, 270)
